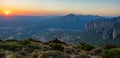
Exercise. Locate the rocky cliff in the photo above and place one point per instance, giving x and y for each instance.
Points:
(109, 28)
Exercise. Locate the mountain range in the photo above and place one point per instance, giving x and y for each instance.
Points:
(70, 21)
(109, 28)
(70, 28)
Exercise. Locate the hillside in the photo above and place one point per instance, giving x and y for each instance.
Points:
(31, 48)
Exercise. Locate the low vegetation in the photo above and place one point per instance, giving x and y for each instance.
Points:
(55, 49)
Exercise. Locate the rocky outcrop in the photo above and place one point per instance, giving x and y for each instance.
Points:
(109, 28)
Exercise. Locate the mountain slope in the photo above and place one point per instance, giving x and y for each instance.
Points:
(109, 28)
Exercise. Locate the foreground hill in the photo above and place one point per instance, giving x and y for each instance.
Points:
(55, 49)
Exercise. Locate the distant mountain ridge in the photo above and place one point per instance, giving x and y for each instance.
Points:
(70, 21)
(39, 27)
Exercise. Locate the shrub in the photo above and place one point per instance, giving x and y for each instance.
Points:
(11, 40)
(53, 54)
(2, 54)
(23, 53)
(109, 46)
(96, 51)
(31, 47)
(58, 47)
(46, 47)
(112, 53)
(87, 47)
(34, 40)
(69, 51)
(77, 46)
(12, 46)
(56, 40)
(83, 54)
(25, 42)
(35, 54)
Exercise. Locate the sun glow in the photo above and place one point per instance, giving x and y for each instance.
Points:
(7, 12)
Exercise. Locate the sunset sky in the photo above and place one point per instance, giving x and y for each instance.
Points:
(60, 7)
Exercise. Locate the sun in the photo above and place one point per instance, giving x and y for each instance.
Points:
(7, 12)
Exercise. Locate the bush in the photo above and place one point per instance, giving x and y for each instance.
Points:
(82, 52)
(31, 47)
(69, 51)
(58, 47)
(2, 54)
(109, 46)
(25, 42)
(56, 40)
(83, 55)
(34, 40)
(53, 54)
(11, 40)
(35, 54)
(112, 53)
(12, 46)
(96, 51)
(45, 47)
(87, 47)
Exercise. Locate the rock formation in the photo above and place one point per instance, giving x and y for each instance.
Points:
(109, 28)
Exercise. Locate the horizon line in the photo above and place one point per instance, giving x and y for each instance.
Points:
(63, 15)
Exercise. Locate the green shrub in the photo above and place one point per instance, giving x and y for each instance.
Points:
(96, 51)
(53, 54)
(34, 40)
(87, 47)
(45, 47)
(25, 42)
(58, 47)
(31, 47)
(109, 46)
(12, 46)
(35, 55)
(21, 54)
(83, 54)
(112, 53)
(69, 51)
(11, 40)
(56, 40)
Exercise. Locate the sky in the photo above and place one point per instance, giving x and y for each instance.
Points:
(61, 7)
